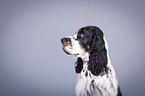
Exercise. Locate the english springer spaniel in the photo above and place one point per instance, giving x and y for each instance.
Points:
(96, 75)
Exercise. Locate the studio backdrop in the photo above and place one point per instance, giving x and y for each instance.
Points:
(32, 62)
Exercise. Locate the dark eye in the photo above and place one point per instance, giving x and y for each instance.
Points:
(80, 36)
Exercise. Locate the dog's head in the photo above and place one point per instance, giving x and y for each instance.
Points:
(88, 40)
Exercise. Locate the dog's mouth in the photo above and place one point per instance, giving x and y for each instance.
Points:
(66, 44)
(66, 51)
(68, 47)
(69, 53)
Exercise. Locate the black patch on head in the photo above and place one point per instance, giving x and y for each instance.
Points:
(84, 37)
(79, 65)
(93, 37)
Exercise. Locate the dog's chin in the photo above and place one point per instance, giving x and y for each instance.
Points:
(66, 52)
(75, 55)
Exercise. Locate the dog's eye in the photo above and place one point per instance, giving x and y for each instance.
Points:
(80, 36)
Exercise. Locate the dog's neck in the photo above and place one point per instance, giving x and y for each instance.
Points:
(85, 57)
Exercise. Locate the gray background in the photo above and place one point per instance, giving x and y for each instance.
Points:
(32, 62)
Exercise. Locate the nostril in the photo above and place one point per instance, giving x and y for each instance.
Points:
(64, 40)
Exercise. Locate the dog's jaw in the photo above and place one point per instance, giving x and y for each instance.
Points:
(73, 48)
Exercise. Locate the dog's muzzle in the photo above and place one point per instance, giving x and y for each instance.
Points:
(65, 41)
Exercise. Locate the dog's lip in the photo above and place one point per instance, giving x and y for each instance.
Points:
(66, 51)
(69, 53)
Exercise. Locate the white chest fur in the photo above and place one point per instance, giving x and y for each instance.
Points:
(90, 85)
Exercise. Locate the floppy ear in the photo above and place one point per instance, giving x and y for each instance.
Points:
(79, 65)
(98, 54)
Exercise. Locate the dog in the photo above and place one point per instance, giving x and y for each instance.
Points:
(96, 75)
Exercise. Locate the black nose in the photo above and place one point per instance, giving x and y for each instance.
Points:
(64, 40)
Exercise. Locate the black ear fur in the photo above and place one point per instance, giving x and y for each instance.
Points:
(79, 65)
(98, 53)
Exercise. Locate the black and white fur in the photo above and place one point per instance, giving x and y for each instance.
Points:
(96, 74)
